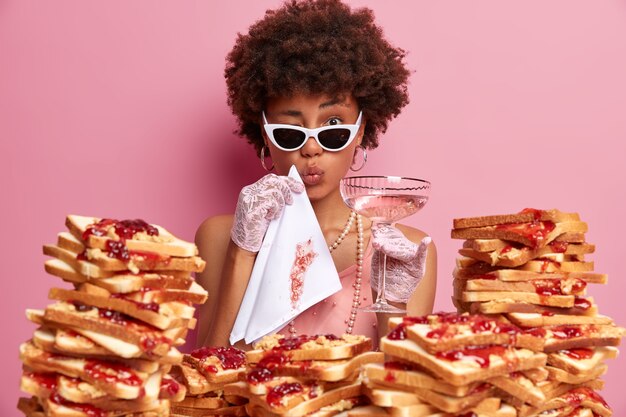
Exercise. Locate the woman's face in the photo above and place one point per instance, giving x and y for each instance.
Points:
(320, 169)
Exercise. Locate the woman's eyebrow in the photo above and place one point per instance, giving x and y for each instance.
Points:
(333, 102)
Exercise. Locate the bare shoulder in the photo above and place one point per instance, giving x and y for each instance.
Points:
(214, 229)
(413, 234)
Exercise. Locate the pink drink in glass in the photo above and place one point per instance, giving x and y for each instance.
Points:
(387, 208)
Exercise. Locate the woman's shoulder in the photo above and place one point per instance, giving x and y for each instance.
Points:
(413, 234)
(215, 228)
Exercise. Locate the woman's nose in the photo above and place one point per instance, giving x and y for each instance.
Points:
(311, 147)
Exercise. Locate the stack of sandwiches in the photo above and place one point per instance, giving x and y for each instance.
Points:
(105, 347)
(449, 364)
(316, 376)
(205, 372)
(529, 269)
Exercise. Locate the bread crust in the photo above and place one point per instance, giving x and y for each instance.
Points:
(552, 215)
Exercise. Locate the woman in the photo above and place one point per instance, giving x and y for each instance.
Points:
(314, 64)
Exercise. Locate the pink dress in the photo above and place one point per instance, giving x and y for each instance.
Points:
(331, 314)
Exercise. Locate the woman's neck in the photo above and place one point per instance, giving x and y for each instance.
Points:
(331, 212)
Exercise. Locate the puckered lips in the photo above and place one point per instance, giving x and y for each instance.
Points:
(312, 175)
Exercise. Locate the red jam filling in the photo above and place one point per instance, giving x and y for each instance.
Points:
(148, 344)
(152, 306)
(259, 375)
(567, 332)
(545, 264)
(408, 320)
(559, 247)
(506, 249)
(535, 212)
(88, 409)
(276, 394)
(125, 229)
(112, 373)
(479, 354)
(113, 316)
(399, 333)
(294, 342)
(579, 353)
(81, 307)
(485, 276)
(170, 386)
(389, 377)
(399, 366)
(578, 395)
(535, 232)
(229, 357)
(547, 286)
(46, 380)
(582, 303)
(273, 359)
(578, 286)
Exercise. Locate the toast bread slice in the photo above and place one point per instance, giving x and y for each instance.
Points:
(534, 234)
(218, 364)
(562, 301)
(406, 376)
(541, 320)
(446, 331)
(122, 282)
(100, 232)
(235, 411)
(206, 403)
(107, 322)
(565, 377)
(576, 397)
(582, 336)
(316, 347)
(149, 313)
(511, 257)
(64, 341)
(527, 215)
(298, 404)
(519, 275)
(567, 286)
(490, 245)
(74, 390)
(384, 396)
(582, 307)
(122, 382)
(581, 361)
(329, 371)
(468, 368)
(519, 386)
(195, 382)
(133, 261)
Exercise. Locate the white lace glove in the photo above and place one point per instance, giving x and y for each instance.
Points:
(258, 204)
(406, 262)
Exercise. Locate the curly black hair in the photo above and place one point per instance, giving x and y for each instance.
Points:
(316, 47)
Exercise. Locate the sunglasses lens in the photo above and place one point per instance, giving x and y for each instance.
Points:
(289, 138)
(334, 138)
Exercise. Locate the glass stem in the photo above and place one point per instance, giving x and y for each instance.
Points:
(380, 297)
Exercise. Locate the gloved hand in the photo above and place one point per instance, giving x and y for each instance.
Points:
(258, 204)
(406, 262)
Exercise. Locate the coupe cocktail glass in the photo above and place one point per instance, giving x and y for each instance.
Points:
(384, 200)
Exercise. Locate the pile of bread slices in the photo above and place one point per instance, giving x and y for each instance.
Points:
(104, 347)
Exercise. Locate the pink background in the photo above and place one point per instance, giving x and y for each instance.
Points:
(118, 109)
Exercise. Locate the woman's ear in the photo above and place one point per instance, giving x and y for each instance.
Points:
(359, 138)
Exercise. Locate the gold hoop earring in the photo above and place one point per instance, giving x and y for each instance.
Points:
(354, 159)
(263, 160)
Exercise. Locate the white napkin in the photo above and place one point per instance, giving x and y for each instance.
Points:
(267, 305)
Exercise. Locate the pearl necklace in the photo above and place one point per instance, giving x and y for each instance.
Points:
(359, 270)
